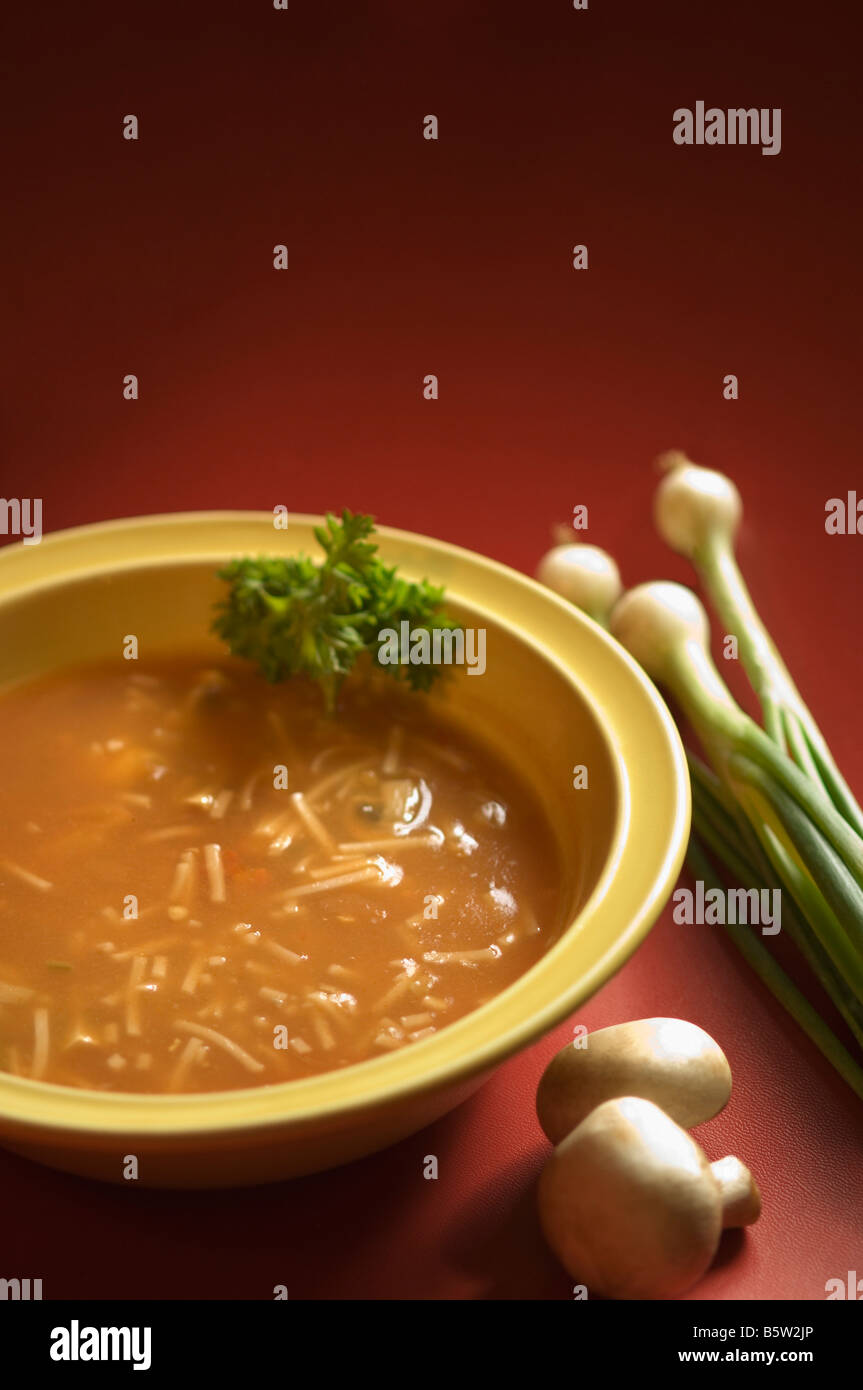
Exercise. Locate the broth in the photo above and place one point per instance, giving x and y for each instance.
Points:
(206, 883)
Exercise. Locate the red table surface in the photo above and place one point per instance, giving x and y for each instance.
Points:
(557, 387)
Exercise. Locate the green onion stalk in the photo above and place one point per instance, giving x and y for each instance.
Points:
(783, 989)
(698, 513)
(771, 807)
(815, 853)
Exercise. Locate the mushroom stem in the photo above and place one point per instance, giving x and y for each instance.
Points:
(738, 1192)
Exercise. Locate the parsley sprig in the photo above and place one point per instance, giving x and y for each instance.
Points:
(295, 617)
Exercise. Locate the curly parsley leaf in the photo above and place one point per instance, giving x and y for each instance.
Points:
(295, 617)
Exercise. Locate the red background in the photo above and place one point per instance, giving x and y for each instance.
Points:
(556, 387)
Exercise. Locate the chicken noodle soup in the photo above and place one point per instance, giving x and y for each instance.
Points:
(208, 883)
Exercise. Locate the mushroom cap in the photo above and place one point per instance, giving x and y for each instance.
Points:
(667, 1060)
(629, 1204)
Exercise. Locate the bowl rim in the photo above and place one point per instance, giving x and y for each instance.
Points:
(381, 1081)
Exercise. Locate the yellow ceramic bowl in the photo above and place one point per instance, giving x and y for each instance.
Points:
(557, 692)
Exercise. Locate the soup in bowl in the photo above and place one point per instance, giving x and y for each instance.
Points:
(243, 937)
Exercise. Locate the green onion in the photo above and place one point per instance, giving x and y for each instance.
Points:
(780, 985)
(772, 806)
(733, 843)
(698, 512)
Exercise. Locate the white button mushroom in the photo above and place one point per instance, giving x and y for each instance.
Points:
(673, 1063)
(633, 1208)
